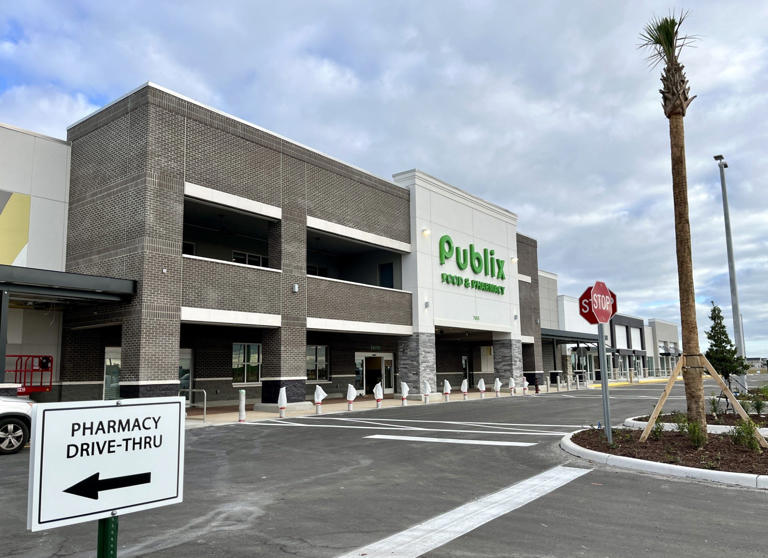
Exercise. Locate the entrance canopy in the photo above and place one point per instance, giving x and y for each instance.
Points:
(29, 288)
(29, 284)
(560, 336)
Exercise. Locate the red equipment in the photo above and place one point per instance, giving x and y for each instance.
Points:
(33, 372)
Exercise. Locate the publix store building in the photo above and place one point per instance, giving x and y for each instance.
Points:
(245, 260)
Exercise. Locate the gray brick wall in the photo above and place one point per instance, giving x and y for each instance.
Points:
(129, 165)
(210, 284)
(530, 316)
(372, 207)
(345, 301)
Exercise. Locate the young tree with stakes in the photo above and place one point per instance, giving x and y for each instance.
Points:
(721, 352)
(662, 36)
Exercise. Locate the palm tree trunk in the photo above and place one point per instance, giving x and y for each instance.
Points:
(692, 375)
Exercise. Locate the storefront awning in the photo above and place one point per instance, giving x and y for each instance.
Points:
(561, 336)
(58, 286)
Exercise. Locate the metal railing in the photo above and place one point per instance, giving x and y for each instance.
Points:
(205, 399)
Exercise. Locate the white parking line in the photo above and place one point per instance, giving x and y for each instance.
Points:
(444, 528)
(459, 422)
(450, 440)
(276, 422)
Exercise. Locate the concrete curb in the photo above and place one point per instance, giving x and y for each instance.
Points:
(723, 477)
(632, 422)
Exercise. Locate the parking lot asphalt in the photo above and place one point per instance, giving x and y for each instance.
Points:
(475, 478)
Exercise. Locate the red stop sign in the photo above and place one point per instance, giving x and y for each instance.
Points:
(597, 304)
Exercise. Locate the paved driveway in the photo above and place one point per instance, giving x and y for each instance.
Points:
(475, 478)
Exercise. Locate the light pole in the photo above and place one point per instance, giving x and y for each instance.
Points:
(737, 330)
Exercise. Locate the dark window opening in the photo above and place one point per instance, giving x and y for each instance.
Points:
(387, 275)
(222, 233)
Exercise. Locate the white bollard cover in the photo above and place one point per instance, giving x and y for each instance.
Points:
(497, 385)
(282, 399)
(378, 393)
(464, 386)
(404, 389)
(319, 395)
(446, 387)
(511, 383)
(351, 392)
(427, 388)
(481, 385)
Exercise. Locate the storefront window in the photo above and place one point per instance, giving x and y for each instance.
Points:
(317, 363)
(246, 362)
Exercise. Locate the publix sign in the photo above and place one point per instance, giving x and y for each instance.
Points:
(481, 262)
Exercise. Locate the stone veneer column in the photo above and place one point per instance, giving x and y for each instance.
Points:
(517, 360)
(507, 357)
(416, 361)
(285, 348)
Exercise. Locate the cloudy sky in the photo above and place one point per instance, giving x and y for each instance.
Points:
(546, 108)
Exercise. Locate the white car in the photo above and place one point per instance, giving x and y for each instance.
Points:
(15, 421)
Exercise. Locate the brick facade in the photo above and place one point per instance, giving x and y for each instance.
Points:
(130, 162)
(346, 301)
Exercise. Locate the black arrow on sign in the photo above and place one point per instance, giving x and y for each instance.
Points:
(91, 486)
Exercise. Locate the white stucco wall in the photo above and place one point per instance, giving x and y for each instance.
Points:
(443, 209)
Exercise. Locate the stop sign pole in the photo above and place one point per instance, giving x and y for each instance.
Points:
(597, 305)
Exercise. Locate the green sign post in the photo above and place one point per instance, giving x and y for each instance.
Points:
(107, 543)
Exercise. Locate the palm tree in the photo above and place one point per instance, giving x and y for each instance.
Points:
(662, 36)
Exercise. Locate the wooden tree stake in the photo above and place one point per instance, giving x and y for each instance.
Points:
(735, 402)
(670, 384)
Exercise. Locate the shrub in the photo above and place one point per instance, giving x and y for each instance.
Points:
(714, 405)
(744, 434)
(697, 434)
(657, 431)
(758, 405)
(681, 422)
(746, 404)
(763, 390)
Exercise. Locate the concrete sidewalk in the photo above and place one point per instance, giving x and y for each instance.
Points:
(229, 414)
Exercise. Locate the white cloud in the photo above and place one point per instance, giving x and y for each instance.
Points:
(526, 106)
(46, 110)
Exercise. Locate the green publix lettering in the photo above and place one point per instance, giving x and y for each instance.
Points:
(483, 262)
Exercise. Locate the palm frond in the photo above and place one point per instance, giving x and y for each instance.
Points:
(662, 37)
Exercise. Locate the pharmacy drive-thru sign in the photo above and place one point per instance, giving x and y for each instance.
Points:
(597, 304)
(96, 459)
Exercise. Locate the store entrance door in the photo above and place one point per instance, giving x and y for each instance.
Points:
(466, 367)
(372, 368)
(373, 372)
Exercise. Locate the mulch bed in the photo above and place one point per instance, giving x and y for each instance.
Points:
(723, 419)
(719, 453)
